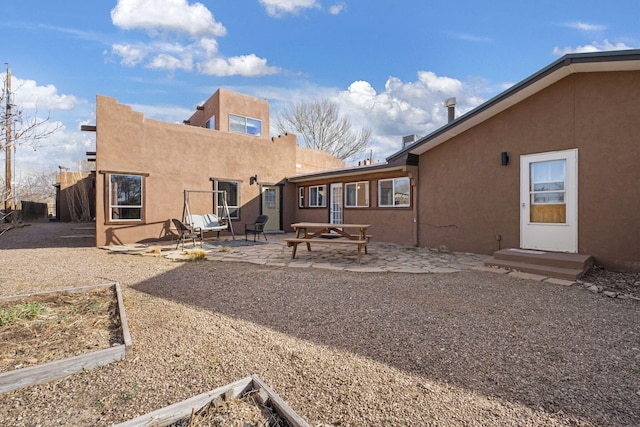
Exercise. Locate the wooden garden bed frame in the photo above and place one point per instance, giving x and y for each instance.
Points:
(181, 410)
(56, 369)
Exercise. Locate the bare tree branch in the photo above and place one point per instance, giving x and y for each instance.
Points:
(320, 126)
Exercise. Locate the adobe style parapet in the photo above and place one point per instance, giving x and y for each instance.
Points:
(230, 111)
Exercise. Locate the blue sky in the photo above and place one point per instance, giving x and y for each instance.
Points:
(388, 64)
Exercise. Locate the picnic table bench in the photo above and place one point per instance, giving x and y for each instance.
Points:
(313, 232)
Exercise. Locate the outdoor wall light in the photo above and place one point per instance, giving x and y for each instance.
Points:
(504, 158)
(253, 179)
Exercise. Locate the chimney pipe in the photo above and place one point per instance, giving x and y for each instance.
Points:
(451, 109)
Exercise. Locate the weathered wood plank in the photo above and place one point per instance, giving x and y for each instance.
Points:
(39, 374)
(296, 241)
(170, 414)
(59, 291)
(124, 325)
(281, 406)
(56, 369)
(327, 242)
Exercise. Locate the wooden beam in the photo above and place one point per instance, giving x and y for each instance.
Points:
(88, 128)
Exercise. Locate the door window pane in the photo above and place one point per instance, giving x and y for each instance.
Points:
(546, 187)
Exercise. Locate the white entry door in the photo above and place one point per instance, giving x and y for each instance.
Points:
(335, 204)
(549, 201)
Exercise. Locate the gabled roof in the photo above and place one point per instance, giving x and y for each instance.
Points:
(623, 60)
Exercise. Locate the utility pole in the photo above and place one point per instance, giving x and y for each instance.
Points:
(8, 205)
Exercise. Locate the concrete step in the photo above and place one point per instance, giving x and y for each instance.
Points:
(550, 264)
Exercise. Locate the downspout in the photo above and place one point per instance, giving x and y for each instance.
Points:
(413, 173)
(416, 212)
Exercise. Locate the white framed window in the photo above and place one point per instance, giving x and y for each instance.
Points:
(394, 192)
(125, 197)
(301, 197)
(211, 123)
(232, 189)
(356, 194)
(317, 196)
(246, 125)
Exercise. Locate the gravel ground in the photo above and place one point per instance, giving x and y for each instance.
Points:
(463, 349)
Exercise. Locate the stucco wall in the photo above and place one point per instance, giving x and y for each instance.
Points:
(224, 102)
(394, 225)
(309, 160)
(466, 197)
(178, 157)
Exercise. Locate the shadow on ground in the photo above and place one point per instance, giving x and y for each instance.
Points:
(45, 234)
(561, 349)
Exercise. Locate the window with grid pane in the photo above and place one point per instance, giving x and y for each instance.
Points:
(317, 196)
(125, 197)
(232, 194)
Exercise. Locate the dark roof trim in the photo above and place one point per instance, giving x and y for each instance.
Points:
(568, 64)
(340, 173)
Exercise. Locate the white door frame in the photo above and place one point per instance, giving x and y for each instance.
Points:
(555, 237)
(336, 211)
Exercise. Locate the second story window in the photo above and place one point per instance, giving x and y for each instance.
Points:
(246, 125)
(211, 123)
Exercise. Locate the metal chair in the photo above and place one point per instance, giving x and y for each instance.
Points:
(186, 232)
(256, 227)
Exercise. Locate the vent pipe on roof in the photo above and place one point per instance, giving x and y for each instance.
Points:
(451, 109)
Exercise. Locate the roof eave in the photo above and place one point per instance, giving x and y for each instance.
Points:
(346, 172)
(569, 64)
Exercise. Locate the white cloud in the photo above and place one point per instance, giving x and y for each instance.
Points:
(337, 9)
(175, 16)
(28, 95)
(606, 45)
(129, 55)
(164, 61)
(471, 37)
(56, 111)
(245, 65)
(277, 8)
(583, 26)
(197, 50)
(401, 108)
(65, 147)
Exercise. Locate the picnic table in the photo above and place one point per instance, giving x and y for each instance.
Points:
(308, 232)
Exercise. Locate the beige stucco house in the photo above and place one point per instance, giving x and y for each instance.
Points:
(551, 165)
(143, 167)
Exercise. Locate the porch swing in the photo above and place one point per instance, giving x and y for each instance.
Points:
(211, 221)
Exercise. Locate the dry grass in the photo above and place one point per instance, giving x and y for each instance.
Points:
(245, 411)
(43, 328)
(196, 254)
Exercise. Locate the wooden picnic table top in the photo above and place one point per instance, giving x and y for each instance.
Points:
(327, 225)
